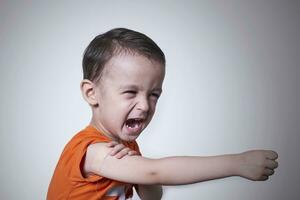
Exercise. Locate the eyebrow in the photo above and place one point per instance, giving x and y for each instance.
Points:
(158, 90)
(126, 87)
(135, 87)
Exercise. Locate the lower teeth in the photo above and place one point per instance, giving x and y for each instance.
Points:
(132, 125)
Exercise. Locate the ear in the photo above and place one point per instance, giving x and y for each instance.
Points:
(88, 92)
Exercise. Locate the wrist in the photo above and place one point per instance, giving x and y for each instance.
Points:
(237, 162)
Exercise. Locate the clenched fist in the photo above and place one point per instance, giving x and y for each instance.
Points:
(257, 165)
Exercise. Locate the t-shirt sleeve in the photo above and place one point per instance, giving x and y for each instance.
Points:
(134, 146)
(77, 162)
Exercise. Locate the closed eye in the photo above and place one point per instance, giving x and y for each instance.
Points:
(130, 92)
(155, 95)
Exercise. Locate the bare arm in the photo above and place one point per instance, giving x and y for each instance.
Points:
(254, 165)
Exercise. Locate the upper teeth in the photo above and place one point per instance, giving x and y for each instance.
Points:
(134, 122)
(135, 119)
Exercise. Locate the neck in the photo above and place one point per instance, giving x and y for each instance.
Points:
(97, 125)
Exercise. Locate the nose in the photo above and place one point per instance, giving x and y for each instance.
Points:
(143, 104)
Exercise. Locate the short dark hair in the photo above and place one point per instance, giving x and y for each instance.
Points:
(104, 46)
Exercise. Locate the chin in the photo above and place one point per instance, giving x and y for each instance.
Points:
(129, 138)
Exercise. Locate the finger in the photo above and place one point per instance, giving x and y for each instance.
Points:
(264, 178)
(271, 164)
(271, 155)
(132, 153)
(116, 149)
(268, 172)
(122, 153)
(111, 144)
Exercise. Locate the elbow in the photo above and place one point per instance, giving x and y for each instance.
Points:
(160, 174)
(154, 176)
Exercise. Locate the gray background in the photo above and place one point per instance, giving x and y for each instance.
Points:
(232, 84)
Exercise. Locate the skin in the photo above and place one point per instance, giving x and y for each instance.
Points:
(120, 150)
(129, 88)
(144, 191)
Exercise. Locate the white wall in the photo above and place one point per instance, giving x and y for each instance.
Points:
(232, 85)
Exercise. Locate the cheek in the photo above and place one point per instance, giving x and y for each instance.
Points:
(116, 107)
(124, 106)
(153, 104)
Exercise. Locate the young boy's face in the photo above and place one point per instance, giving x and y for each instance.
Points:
(127, 94)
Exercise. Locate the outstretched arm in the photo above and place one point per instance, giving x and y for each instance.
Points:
(254, 165)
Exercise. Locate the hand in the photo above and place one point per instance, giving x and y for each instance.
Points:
(120, 150)
(258, 165)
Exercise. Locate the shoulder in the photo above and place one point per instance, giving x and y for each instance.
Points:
(134, 146)
(80, 143)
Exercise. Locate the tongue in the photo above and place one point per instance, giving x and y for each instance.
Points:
(133, 125)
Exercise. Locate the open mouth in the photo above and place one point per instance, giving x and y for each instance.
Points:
(134, 126)
(134, 123)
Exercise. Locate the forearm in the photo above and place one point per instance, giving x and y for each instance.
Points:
(192, 169)
(149, 192)
(170, 170)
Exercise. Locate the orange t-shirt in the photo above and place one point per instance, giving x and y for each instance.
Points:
(68, 181)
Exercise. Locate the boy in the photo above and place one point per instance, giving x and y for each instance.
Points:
(123, 76)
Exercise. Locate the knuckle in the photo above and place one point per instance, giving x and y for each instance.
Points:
(119, 147)
(133, 152)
